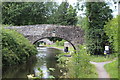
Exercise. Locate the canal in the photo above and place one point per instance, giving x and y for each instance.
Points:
(45, 59)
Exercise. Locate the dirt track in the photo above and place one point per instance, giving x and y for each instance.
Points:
(100, 69)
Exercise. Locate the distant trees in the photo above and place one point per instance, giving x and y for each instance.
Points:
(29, 13)
(65, 15)
(25, 13)
(71, 16)
(98, 13)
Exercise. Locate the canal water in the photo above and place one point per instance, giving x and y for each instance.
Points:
(44, 60)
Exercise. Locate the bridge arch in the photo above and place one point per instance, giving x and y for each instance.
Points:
(59, 37)
(73, 34)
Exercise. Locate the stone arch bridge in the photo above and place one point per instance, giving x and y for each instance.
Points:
(73, 34)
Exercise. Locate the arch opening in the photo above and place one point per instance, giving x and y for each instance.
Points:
(56, 37)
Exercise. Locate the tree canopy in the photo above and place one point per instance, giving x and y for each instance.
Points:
(111, 29)
(30, 13)
(98, 13)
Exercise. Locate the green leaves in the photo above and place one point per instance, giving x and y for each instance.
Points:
(111, 29)
(66, 14)
(30, 13)
(15, 48)
(98, 13)
(25, 13)
(79, 66)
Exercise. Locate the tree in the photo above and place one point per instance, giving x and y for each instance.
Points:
(97, 13)
(26, 13)
(60, 16)
(65, 15)
(71, 16)
(30, 13)
(111, 28)
(82, 22)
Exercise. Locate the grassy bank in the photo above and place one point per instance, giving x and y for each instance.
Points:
(100, 58)
(112, 69)
(78, 65)
(94, 58)
(15, 48)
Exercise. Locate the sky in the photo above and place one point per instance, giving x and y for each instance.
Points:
(110, 3)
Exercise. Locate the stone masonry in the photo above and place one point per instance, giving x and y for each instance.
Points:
(73, 34)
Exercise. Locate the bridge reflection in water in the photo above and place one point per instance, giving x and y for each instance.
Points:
(44, 60)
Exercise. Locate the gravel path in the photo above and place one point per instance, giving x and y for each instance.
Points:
(100, 69)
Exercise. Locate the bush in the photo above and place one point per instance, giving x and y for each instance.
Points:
(15, 48)
(80, 66)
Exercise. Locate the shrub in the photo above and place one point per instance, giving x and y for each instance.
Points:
(80, 66)
(15, 48)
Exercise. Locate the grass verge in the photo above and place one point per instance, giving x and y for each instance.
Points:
(112, 69)
(99, 58)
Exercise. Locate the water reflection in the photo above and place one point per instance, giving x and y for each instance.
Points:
(19, 71)
(44, 60)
